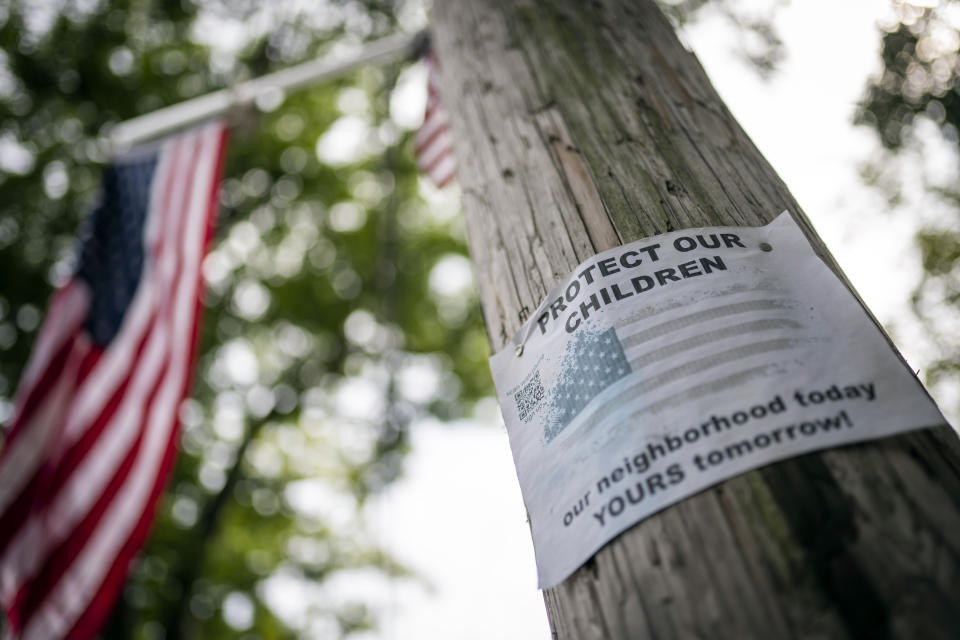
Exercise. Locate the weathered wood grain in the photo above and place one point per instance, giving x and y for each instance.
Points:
(581, 125)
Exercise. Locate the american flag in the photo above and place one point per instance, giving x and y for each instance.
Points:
(92, 437)
(433, 143)
(592, 362)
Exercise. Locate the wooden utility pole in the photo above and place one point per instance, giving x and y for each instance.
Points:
(583, 125)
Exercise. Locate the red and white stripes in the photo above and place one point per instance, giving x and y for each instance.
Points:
(93, 436)
(433, 143)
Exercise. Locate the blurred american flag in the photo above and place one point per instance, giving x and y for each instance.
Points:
(433, 143)
(93, 435)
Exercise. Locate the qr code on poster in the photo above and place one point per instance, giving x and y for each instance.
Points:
(530, 397)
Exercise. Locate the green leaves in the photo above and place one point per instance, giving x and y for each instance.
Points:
(914, 107)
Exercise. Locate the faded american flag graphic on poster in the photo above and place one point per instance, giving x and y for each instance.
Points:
(592, 362)
(667, 365)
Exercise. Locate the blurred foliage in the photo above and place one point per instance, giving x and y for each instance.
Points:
(757, 43)
(914, 107)
(339, 308)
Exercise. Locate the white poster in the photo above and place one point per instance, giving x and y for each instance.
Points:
(664, 366)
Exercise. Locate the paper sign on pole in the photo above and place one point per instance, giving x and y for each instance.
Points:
(664, 366)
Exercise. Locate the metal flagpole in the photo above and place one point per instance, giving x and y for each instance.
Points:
(180, 115)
